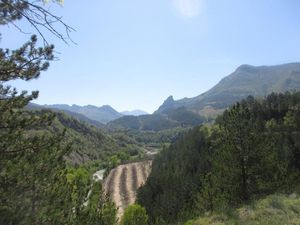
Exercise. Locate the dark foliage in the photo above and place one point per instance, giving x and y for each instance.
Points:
(251, 151)
(35, 185)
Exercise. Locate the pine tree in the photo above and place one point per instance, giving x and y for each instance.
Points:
(31, 155)
(245, 163)
(35, 185)
(25, 177)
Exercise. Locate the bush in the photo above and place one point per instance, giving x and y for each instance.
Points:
(134, 215)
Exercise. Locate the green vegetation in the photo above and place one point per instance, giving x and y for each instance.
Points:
(134, 215)
(90, 143)
(158, 122)
(250, 152)
(36, 185)
(227, 173)
(151, 138)
(90, 205)
(272, 210)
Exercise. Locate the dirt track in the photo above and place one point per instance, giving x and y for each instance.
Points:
(122, 183)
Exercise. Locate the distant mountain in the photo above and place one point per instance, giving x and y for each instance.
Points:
(136, 112)
(102, 114)
(78, 116)
(244, 81)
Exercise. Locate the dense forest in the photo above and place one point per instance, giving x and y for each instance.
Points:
(251, 151)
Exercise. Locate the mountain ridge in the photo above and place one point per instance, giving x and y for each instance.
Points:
(244, 81)
(102, 114)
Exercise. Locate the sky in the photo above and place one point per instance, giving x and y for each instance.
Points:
(133, 54)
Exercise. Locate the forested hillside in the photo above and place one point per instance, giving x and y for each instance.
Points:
(179, 117)
(89, 143)
(251, 151)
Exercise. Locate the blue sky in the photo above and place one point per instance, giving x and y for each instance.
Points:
(135, 53)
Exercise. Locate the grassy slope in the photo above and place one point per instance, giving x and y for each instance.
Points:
(272, 210)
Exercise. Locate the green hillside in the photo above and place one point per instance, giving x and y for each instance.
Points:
(250, 152)
(273, 210)
(90, 143)
(179, 117)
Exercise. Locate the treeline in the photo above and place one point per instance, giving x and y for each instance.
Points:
(251, 151)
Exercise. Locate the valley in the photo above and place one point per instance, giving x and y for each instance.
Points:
(173, 143)
(149, 114)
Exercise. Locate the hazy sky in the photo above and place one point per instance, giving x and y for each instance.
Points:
(135, 53)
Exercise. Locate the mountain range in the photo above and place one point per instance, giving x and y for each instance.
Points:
(244, 81)
(75, 115)
(102, 114)
(97, 116)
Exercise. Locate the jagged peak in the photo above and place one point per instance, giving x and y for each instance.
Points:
(169, 99)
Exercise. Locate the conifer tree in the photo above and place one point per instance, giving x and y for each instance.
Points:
(245, 161)
(31, 157)
(33, 184)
